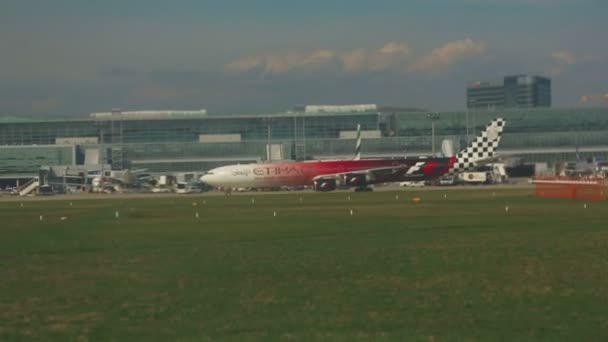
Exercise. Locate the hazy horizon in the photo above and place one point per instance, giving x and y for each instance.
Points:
(72, 58)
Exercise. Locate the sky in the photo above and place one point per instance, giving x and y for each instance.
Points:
(73, 57)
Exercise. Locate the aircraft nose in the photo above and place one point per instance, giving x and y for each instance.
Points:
(208, 179)
(205, 179)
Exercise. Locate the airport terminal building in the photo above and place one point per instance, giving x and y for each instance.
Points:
(516, 91)
(178, 141)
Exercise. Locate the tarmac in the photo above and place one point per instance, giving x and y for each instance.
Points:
(5, 197)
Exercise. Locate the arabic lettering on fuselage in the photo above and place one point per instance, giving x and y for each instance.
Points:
(241, 172)
(279, 171)
(270, 171)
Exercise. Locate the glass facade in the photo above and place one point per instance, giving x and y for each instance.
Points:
(16, 160)
(519, 91)
(174, 144)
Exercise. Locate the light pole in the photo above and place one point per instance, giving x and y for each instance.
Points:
(268, 138)
(471, 104)
(433, 117)
(467, 122)
(474, 120)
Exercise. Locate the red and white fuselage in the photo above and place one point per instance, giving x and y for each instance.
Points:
(305, 173)
(327, 174)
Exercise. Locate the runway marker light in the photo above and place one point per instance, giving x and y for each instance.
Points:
(21, 204)
(300, 199)
(506, 208)
(585, 206)
(194, 204)
(348, 198)
(274, 213)
(396, 197)
(253, 201)
(70, 204)
(40, 217)
(116, 214)
(63, 218)
(351, 212)
(196, 215)
(445, 195)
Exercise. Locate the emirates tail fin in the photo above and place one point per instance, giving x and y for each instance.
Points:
(358, 147)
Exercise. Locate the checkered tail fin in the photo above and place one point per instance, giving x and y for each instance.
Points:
(483, 147)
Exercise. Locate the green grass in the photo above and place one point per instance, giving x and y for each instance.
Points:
(455, 268)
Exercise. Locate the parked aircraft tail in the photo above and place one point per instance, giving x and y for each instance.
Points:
(482, 149)
(358, 147)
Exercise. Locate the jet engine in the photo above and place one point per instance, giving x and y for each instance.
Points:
(97, 181)
(325, 184)
(355, 179)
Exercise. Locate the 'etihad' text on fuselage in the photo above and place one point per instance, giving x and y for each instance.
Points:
(278, 171)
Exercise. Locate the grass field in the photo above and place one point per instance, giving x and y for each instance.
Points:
(455, 268)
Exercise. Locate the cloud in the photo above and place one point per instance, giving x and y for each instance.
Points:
(281, 63)
(563, 59)
(392, 54)
(449, 54)
(560, 61)
(592, 97)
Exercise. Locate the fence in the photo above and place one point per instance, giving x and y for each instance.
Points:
(588, 188)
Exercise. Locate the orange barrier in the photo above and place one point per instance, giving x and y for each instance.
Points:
(593, 189)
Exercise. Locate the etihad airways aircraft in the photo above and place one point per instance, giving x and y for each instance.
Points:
(327, 175)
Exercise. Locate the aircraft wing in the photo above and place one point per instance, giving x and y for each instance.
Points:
(494, 159)
(370, 173)
(113, 181)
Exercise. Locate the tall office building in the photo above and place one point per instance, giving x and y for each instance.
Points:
(518, 91)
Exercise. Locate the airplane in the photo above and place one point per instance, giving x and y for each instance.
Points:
(582, 167)
(327, 175)
(111, 180)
